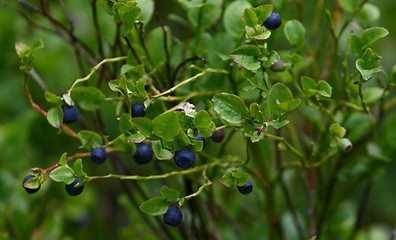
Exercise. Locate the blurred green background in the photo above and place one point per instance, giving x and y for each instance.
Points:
(27, 140)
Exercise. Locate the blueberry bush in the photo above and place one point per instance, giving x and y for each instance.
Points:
(204, 119)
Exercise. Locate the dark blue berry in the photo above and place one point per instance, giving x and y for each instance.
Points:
(72, 190)
(247, 188)
(144, 153)
(218, 136)
(138, 110)
(70, 114)
(98, 155)
(184, 158)
(273, 21)
(173, 216)
(29, 190)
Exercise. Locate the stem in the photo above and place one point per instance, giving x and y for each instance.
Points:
(94, 69)
(165, 45)
(361, 97)
(160, 176)
(191, 79)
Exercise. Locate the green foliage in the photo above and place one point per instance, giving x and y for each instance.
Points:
(314, 135)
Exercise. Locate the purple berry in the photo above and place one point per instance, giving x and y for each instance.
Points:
(144, 153)
(138, 110)
(98, 155)
(247, 188)
(173, 216)
(184, 158)
(273, 21)
(70, 114)
(71, 188)
(218, 136)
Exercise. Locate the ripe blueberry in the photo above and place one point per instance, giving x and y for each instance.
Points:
(138, 110)
(29, 190)
(247, 188)
(144, 153)
(173, 216)
(278, 66)
(98, 155)
(273, 21)
(184, 158)
(70, 114)
(72, 190)
(218, 136)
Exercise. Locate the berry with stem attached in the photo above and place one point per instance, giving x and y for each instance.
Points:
(144, 153)
(98, 155)
(173, 216)
(29, 190)
(71, 188)
(184, 158)
(273, 21)
(138, 110)
(70, 114)
(246, 189)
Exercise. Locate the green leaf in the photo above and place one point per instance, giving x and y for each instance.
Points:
(52, 98)
(227, 179)
(247, 56)
(278, 94)
(232, 18)
(125, 124)
(155, 206)
(143, 125)
(295, 33)
(135, 138)
(231, 108)
(62, 174)
(308, 85)
(250, 18)
(204, 123)
(337, 130)
(356, 44)
(32, 183)
(255, 113)
(372, 94)
(159, 152)
(350, 5)
(55, 117)
(324, 88)
(89, 139)
(278, 124)
(78, 169)
(369, 13)
(166, 126)
(89, 98)
(241, 177)
(147, 10)
(170, 194)
(374, 150)
(263, 12)
(127, 13)
(371, 35)
(367, 65)
(63, 159)
(205, 15)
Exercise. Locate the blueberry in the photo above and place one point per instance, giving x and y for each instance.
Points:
(144, 153)
(200, 138)
(70, 114)
(273, 21)
(138, 110)
(218, 136)
(72, 190)
(29, 190)
(173, 216)
(184, 158)
(98, 155)
(278, 66)
(247, 188)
